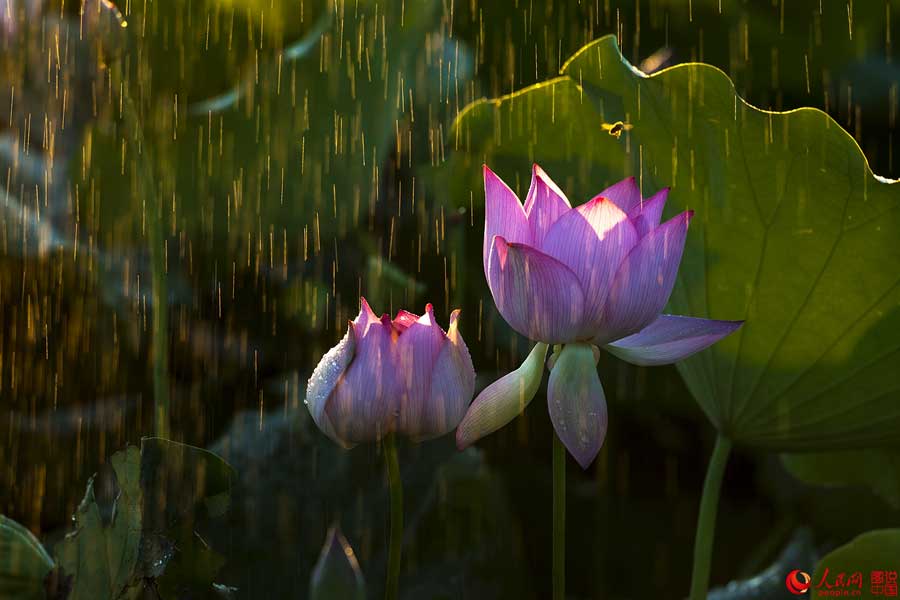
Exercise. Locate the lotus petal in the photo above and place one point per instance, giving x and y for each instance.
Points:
(537, 295)
(544, 204)
(626, 194)
(324, 379)
(502, 401)
(503, 215)
(592, 240)
(417, 352)
(671, 338)
(452, 386)
(361, 405)
(647, 216)
(644, 281)
(403, 320)
(576, 402)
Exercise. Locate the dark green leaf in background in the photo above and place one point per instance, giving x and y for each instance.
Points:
(871, 553)
(877, 468)
(101, 554)
(24, 563)
(150, 535)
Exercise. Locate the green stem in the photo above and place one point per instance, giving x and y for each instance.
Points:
(160, 323)
(392, 588)
(158, 269)
(559, 518)
(706, 523)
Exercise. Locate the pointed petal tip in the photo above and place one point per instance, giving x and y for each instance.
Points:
(671, 338)
(502, 247)
(365, 311)
(503, 400)
(733, 326)
(586, 459)
(452, 332)
(427, 317)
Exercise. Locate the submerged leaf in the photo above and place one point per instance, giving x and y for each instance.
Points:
(185, 487)
(149, 535)
(792, 232)
(101, 556)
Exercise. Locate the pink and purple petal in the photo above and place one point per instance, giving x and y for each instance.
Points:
(404, 319)
(503, 215)
(537, 295)
(361, 406)
(417, 350)
(325, 378)
(592, 240)
(504, 400)
(644, 281)
(626, 194)
(647, 216)
(544, 204)
(671, 338)
(577, 403)
(452, 386)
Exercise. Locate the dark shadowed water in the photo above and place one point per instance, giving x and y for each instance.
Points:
(193, 197)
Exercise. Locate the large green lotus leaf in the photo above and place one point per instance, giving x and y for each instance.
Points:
(792, 232)
(551, 123)
(24, 563)
(876, 468)
(863, 562)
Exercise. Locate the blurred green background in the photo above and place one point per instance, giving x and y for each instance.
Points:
(296, 154)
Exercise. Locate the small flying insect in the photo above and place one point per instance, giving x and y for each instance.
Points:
(616, 129)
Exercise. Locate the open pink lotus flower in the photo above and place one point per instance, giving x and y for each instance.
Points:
(598, 275)
(405, 376)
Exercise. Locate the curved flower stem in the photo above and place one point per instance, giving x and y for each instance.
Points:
(392, 587)
(559, 518)
(706, 523)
